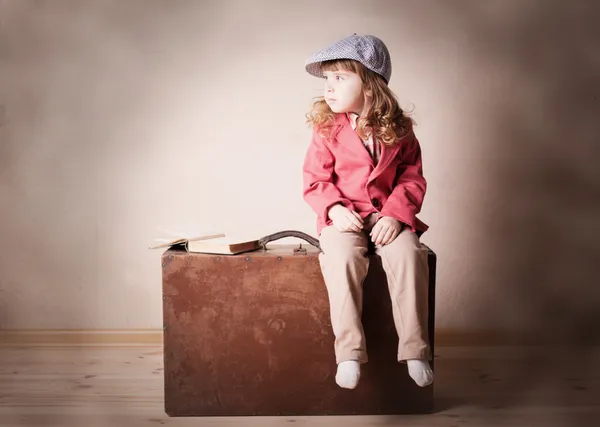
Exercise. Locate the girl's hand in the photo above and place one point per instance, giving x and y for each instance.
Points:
(344, 219)
(385, 230)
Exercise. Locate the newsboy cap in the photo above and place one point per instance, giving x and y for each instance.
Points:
(368, 50)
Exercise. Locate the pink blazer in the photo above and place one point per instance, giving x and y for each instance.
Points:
(340, 170)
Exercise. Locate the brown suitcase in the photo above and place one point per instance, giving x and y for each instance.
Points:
(250, 334)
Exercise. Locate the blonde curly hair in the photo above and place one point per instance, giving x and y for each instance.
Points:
(383, 117)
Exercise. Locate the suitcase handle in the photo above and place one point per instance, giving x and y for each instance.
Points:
(289, 233)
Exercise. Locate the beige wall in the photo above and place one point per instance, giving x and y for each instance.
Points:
(121, 118)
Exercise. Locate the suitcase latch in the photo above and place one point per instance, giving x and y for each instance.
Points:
(300, 250)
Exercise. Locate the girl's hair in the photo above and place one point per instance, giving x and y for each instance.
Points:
(383, 116)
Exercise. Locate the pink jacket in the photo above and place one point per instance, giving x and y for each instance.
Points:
(340, 170)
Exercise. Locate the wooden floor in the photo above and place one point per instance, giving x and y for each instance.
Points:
(479, 386)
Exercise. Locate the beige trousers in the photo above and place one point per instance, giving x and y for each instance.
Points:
(344, 264)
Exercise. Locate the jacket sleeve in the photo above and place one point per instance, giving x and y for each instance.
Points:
(406, 199)
(319, 190)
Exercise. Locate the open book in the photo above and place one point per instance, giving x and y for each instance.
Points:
(211, 244)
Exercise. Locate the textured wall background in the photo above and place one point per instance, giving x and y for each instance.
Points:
(118, 119)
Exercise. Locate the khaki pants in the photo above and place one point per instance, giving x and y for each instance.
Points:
(344, 264)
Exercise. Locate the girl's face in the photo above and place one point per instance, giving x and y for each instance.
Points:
(344, 91)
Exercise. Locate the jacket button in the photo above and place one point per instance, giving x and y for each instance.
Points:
(375, 202)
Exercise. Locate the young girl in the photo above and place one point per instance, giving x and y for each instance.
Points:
(363, 178)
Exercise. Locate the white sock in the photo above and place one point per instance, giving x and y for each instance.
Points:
(420, 372)
(348, 374)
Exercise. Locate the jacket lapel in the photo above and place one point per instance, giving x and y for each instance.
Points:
(349, 138)
(387, 156)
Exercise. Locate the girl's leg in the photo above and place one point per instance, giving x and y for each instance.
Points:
(405, 263)
(344, 265)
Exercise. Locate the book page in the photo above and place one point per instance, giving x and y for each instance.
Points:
(231, 239)
(166, 238)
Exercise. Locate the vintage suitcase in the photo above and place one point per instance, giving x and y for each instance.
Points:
(250, 334)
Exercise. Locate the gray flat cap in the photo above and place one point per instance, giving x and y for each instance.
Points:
(368, 50)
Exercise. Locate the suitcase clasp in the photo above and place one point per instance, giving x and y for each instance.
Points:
(300, 250)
